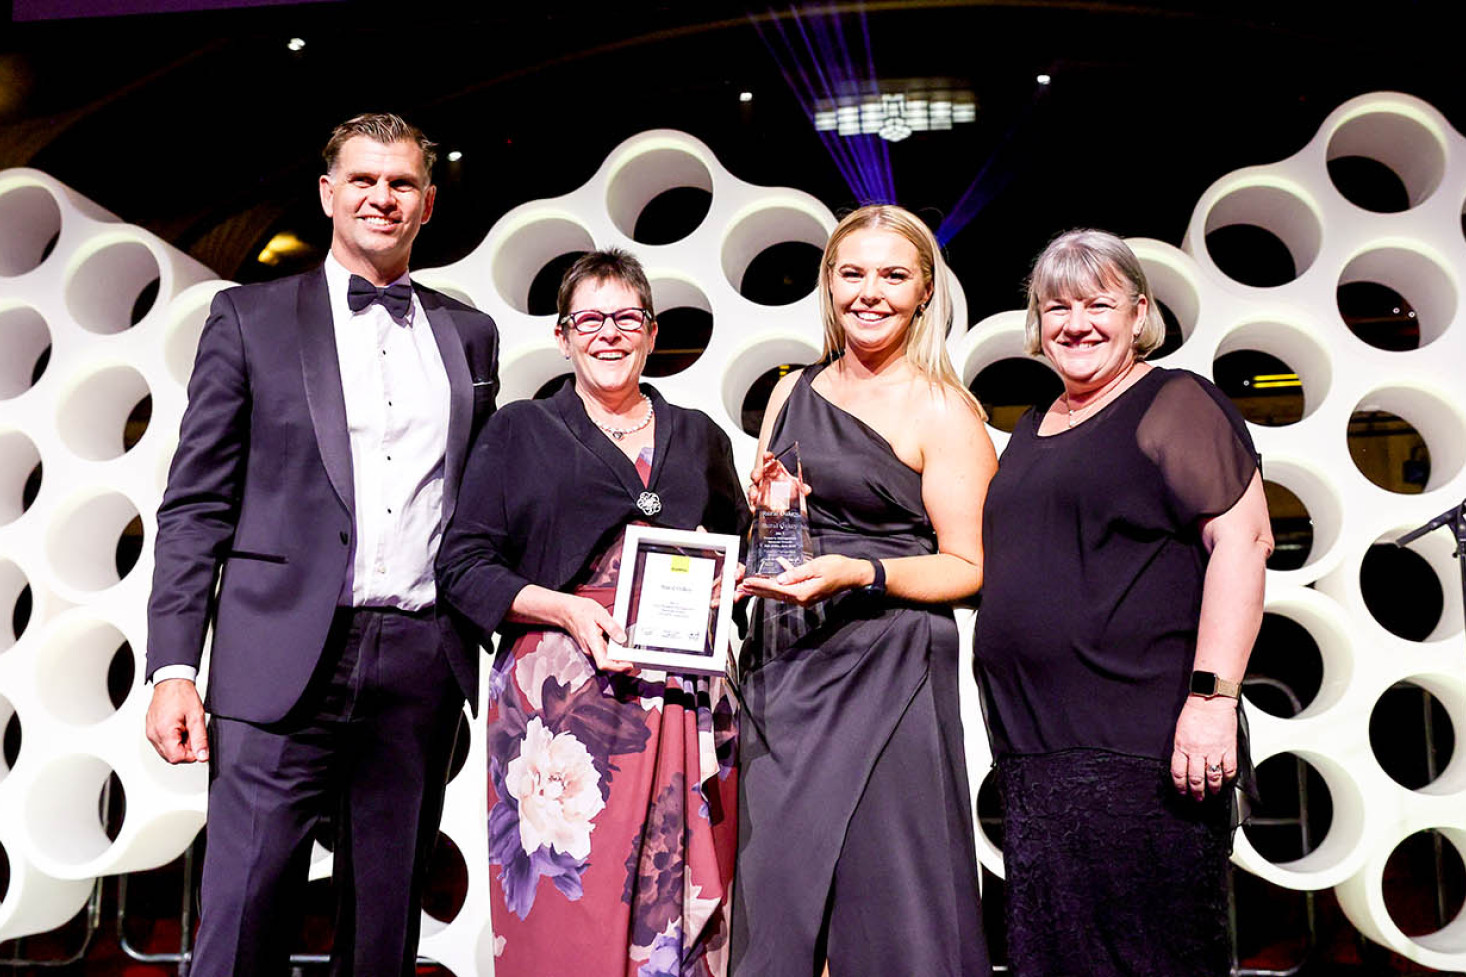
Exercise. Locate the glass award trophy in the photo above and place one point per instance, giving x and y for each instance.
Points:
(779, 538)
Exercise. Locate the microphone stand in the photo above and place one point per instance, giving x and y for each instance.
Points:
(1456, 519)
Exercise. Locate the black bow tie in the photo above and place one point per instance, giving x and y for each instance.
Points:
(396, 298)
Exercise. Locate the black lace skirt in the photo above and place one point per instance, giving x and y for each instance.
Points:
(1110, 871)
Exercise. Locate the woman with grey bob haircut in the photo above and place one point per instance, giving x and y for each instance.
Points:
(1084, 261)
(1125, 536)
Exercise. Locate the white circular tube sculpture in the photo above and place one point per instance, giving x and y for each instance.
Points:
(75, 282)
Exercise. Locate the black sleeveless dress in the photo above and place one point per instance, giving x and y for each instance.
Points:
(1094, 575)
(855, 820)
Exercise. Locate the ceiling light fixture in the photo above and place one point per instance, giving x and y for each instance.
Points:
(896, 109)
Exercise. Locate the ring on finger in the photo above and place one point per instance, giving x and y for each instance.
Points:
(1213, 768)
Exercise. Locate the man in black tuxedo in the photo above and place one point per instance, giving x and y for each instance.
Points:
(329, 416)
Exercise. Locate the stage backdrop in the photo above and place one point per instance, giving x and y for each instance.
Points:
(96, 316)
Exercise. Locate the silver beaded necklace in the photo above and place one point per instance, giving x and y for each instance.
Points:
(619, 433)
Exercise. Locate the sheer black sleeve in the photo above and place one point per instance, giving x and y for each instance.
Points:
(1200, 444)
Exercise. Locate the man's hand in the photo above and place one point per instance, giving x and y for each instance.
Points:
(175, 724)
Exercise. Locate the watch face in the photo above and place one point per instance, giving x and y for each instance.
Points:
(1203, 683)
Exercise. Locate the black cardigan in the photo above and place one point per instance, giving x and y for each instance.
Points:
(544, 492)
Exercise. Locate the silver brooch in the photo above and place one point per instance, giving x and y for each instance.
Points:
(649, 503)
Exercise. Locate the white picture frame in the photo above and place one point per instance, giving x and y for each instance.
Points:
(674, 599)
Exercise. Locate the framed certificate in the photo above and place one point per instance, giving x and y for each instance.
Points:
(674, 598)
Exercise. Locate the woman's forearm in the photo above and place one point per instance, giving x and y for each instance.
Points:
(537, 605)
(936, 579)
(1231, 605)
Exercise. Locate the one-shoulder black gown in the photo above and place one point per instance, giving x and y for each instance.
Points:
(855, 820)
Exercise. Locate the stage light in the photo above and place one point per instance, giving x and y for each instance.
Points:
(745, 96)
(295, 43)
(916, 115)
(283, 245)
(454, 156)
(872, 117)
(894, 130)
(917, 105)
(941, 114)
(1043, 79)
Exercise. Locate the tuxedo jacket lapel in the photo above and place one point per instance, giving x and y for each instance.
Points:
(460, 395)
(322, 372)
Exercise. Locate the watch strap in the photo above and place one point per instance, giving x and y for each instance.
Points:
(1209, 685)
(877, 586)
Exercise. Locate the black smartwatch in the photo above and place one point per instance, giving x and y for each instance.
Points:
(1209, 685)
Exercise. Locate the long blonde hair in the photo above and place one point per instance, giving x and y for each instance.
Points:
(926, 336)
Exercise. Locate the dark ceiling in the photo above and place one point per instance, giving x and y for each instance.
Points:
(205, 129)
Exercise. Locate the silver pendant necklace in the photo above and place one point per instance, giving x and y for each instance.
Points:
(1074, 414)
(619, 433)
(1077, 413)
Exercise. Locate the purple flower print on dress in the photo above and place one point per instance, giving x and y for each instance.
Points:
(499, 676)
(656, 867)
(596, 719)
(703, 811)
(665, 959)
(558, 790)
(557, 657)
(551, 765)
(725, 733)
(540, 826)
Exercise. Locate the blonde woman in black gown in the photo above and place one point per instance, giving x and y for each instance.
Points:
(855, 825)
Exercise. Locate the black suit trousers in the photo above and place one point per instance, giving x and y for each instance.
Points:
(368, 744)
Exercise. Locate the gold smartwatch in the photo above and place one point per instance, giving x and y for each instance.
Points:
(1209, 685)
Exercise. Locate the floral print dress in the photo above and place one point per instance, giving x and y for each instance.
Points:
(612, 801)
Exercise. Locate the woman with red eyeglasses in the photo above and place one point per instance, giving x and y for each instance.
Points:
(611, 791)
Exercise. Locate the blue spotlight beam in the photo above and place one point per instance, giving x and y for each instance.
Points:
(821, 67)
(819, 63)
(995, 174)
(797, 77)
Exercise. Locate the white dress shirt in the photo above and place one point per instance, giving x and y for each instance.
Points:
(397, 400)
(397, 416)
